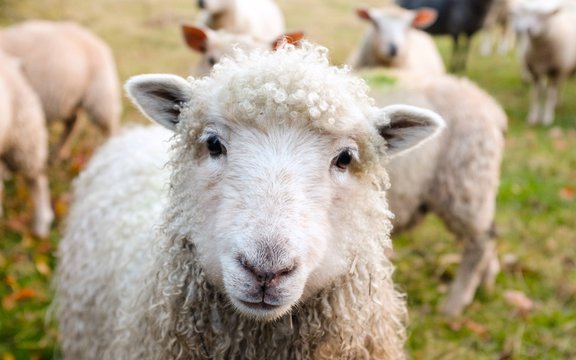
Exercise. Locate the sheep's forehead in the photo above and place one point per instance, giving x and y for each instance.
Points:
(291, 86)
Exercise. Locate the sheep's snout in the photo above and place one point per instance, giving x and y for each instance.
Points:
(201, 4)
(267, 277)
(392, 50)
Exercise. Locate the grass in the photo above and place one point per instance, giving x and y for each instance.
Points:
(536, 213)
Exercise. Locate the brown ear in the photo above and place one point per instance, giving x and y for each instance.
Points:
(195, 37)
(290, 38)
(364, 14)
(424, 18)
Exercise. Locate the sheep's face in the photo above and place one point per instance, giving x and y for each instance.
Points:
(267, 182)
(215, 6)
(532, 19)
(391, 26)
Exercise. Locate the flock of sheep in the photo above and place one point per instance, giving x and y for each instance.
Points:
(255, 221)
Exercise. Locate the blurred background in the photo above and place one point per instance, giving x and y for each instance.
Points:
(530, 314)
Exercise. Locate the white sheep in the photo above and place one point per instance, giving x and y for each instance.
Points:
(454, 175)
(24, 140)
(393, 40)
(213, 45)
(259, 19)
(273, 225)
(498, 29)
(548, 53)
(70, 69)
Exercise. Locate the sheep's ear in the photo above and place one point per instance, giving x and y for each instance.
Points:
(160, 97)
(364, 14)
(424, 17)
(290, 38)
(196, 38)
(404, 126)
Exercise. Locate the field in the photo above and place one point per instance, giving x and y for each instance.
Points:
(530, 315)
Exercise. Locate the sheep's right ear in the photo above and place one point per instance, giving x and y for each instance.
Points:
(424, 17)
(290, 38)
(404, 127)
(160, 97)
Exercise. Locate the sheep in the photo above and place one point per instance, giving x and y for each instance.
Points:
(498, 22)
(24, 140)
(454, 175)
(393, 42)
(271, 231)
(70, 69)
(213, 45)
(548, 54)
(455, 18)
(260, 19)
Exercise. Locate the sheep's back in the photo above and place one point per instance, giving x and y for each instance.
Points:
(60, 61)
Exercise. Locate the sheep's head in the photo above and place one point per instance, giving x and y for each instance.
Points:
(215, 6)
(214, 45)
(278, 171)
(390, 26)
(531, 17)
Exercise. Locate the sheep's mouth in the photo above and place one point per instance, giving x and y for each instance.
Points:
(259, 305)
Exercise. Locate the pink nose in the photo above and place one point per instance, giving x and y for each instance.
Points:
(265, 276)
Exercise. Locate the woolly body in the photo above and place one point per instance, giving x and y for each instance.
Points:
(274, 199)
(23, 139)
(70, 69)
(455, 175)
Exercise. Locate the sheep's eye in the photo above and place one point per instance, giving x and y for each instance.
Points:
(215, 147)
(211, 61)
(343, 159)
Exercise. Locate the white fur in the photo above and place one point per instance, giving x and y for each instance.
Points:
(271, 225)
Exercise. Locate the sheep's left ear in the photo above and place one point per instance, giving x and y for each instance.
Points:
(160, 97)
(290, 38)
(404, 127)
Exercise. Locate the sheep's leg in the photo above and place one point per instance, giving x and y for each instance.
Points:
(1, 189)
(479, 255)
(538, 88)
(487, 42)
(43, 214)
(551, 100)
(64, 144)
(507, 39)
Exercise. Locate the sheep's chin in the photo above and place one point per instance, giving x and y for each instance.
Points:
(260, 312)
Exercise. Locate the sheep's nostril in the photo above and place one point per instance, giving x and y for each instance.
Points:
(265, 277)
(393, 50)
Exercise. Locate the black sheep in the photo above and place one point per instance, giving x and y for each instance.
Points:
(455, 18)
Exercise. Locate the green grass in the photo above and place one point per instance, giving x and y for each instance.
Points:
(536, 213)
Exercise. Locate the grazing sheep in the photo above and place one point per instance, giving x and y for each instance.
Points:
(455, 18)
(213, 45)
(259, 19)
(455, 175)
(393, 42)
(23, 140)
(70, 69)
(548, 54)
(272, 239)
(498, 27)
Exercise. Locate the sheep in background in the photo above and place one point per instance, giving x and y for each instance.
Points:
(393, 41)
(498, 28)
(260, 19)
(272, 241)
(213, 45)
(24, 140)
(455, 18)
(455, 175)
(548, 54)
(70, 69)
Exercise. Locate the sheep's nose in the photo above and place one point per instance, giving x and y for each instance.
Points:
(392, 50)
(201, 4)
(266, 276)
